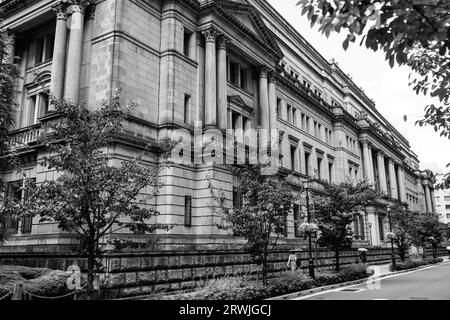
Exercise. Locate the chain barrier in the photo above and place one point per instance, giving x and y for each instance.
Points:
(47, 298)
(51, 298)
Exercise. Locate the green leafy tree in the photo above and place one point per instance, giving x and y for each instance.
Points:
(428, 231)
(334, 211)
(404, 224)
(92, 197)
(262, 216)
(411, 32)
(8, 73)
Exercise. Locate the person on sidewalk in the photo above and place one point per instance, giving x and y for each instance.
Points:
(292, 261)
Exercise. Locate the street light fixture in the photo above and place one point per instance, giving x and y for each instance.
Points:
(308, 211)
(394, 264)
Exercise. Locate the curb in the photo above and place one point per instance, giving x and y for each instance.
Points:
(346, 284)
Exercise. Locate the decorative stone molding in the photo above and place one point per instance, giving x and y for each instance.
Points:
(264, 72)
(223, 41)
(211, 34)
(60, 9)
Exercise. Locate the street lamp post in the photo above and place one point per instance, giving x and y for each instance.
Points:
(394, 263)
(308, 211)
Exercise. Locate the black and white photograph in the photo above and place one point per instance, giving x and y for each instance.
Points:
(224, 159)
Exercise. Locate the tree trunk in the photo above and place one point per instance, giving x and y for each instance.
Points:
(338, 266)
(264, 269)
(402, 252)
(90, 267)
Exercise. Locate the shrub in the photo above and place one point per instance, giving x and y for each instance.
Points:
(240, 288)
(415, 264)
(43, 282)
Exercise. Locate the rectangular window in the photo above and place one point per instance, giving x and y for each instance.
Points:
(356, 227)
(447, 207)
(297, 220)
(234, 73)
(187, 37)
(237, 199)
(188, 211)
(303, 122)
(293, 152)
(289, 113)
(307, 157)
(308, 125)
(381, 228)
(294, 117)
(32, 112)
(244, 77)
(362, 231)
(446, 198)
(187, 109)
(319, 167)
(13, 193)
(330, 172)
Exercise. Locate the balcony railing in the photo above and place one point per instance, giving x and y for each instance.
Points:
(24, 137)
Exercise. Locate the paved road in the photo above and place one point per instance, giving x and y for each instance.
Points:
(432, 283)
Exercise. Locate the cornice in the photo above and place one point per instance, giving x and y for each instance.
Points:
(269, 43)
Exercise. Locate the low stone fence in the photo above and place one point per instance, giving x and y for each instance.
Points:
(133, 274)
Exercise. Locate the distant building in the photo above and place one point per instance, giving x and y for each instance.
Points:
(442, 199)
(227, 64)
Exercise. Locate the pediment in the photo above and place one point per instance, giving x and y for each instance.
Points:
(246, 18)
(239, 102)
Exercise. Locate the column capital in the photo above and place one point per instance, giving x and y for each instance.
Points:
(211, 34)
(272, 77)
(222, 41)
(380, 153)
(60, 9)
(90, 11)
(264, 72)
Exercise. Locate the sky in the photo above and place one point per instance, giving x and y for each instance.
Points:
(388, 87)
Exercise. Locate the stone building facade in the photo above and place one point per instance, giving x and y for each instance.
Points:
(225, 64)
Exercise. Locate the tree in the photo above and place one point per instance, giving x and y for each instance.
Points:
(92, 197)
(335, 209)
(411, 32)
(8, 73)
(261, 218)
(403, 227)
(428, 230)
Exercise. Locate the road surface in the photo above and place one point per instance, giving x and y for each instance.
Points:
(432, 283)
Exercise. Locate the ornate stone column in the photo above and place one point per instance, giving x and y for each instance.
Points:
(401, 180)
(382, 171)
(222, 82)
(393, 179)
(272, 101)
(367, 164)
(59, 52)
(433, 200)
(75, 53)
(429, 206)
(210, 78)
(264, 99)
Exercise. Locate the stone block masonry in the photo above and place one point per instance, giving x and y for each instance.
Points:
(134, 274)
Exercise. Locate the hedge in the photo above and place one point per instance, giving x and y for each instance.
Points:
(400, 266)
(241, 289)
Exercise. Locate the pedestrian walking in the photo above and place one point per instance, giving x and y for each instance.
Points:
(292, 261)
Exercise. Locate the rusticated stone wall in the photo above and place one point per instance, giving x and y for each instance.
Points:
(133, 274)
